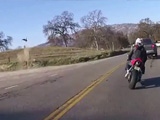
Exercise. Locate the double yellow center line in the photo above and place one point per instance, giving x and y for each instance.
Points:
(57, 114)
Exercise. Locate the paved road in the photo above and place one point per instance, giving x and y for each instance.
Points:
(42, 93)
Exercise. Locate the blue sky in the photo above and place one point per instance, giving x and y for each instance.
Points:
(25, 18)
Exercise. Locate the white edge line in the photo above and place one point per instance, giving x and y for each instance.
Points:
(11, 87)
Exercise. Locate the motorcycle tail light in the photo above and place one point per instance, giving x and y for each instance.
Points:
(137, 63)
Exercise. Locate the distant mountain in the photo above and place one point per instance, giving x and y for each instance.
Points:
(126, 28)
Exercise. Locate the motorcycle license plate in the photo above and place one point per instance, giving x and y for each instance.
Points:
(137, 68)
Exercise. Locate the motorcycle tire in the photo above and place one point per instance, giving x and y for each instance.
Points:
(133, 80)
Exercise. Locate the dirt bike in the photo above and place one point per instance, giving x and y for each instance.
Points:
(135, 72)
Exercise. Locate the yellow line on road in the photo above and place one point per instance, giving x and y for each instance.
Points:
(57, 114)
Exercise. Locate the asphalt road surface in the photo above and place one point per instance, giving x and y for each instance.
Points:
(87, 91)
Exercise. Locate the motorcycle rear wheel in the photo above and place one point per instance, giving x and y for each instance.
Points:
(133, 80)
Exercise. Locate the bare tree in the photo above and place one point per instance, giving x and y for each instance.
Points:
(5, 42)
(61, 26)
(56, 41)
(146, 29)
(156, 31)
(107, 39)
(94, 20)
(110, 39)
(84, 38)
(122, 39)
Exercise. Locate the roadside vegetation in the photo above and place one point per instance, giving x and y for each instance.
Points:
(50, 56)
(72, 42)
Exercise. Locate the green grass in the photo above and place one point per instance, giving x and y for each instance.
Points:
(51, 56)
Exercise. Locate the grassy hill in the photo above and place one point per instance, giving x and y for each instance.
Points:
(50, 56)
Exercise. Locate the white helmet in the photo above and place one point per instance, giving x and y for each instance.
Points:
(139, 42)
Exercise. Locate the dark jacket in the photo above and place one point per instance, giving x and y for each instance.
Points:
(138, 52)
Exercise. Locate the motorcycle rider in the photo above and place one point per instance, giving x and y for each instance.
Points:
(137, 51)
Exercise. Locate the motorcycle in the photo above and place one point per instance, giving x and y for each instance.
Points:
(135, 72)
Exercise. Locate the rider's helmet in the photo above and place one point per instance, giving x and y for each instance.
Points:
(138, 42)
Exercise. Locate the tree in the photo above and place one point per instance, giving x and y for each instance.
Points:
(84, 38)
(146, 29)
(132, 37)
(94, 21)
(56, 41)
(156, 31)
(61, 26)
(122, 39)
(107, 39)
(111, 39)
(5, 42)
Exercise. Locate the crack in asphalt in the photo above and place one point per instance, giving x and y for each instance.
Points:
(9, 95)
(50, 80)
(16, 93)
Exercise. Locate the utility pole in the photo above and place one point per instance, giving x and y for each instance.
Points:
(25, 41)
(25, 54)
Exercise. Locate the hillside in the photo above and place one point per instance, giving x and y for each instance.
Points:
(126, 28)
(49, 56)
(46, 54)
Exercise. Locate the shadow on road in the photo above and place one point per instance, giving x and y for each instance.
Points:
(150, 83)
(158, 57)
(153, 57)
(24, 115)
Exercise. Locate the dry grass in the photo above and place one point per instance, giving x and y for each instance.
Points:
(47, 56)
